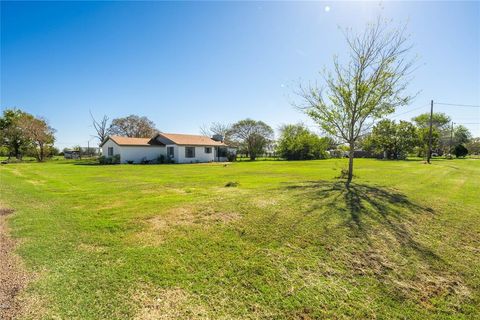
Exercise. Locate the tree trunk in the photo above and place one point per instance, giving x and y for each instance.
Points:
(41, 152)
(350, 163)
(16, 151)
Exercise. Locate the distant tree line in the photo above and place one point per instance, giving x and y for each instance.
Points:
(22, 134)
(392, 140)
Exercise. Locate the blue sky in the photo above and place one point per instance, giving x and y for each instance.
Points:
(185, 64)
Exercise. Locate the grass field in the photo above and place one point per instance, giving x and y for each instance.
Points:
(288, 242)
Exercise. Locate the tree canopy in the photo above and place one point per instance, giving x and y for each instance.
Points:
(370, 85)
(296, 142)
(22, 133)
(392, 139)
(254, 136)
(133, 126)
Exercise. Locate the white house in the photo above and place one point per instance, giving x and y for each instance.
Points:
(179, 148)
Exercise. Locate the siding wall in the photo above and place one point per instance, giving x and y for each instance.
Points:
(134, 153)
(138, 153)
(200, 155)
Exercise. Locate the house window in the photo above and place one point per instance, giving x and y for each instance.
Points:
(170, 152)
(208, 149)
(189, 152)
(110, 151)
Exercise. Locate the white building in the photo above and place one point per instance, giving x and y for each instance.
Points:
(178, 148)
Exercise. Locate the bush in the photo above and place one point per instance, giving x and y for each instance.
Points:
(161, 159)
(460, 151)
(231, 156)
(298, 143)
(130, 161)
(109, 160)
(116, 159)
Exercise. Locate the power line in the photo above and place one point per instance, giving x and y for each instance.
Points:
(400, 114)
(458, 105)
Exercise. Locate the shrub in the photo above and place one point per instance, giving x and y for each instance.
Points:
(298, 143)
(116, 159)
(460, 151)
(130, 161)
(161, 159)
(109, 160)
(231, 156)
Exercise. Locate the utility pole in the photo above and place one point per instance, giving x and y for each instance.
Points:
(429, 155)
(451, 140)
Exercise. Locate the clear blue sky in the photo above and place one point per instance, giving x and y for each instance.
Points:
(185, 64)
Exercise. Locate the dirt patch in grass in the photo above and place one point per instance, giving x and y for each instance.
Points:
(168, 303)
(13, 277)
(5, 211)
(158, 228)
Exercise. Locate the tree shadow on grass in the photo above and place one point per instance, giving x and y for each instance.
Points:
(389, 208)
(383, 237)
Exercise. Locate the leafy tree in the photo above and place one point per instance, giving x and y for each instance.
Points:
(11, 134)
(439, 120)
(253, 136)
(39, 133)
(392, 139)
(440, 124)
(296, 142)
(133, 126)
(460, 151)
(423, 138)
(371, 85)
(473, 146)
(461, 135)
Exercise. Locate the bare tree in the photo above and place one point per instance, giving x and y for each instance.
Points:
(371, 85)
(217, 128)
(101, 127)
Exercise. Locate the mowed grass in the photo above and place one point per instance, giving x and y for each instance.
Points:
(287, 242)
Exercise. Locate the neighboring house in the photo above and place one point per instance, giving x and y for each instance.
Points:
(71, 154)
(179, 148)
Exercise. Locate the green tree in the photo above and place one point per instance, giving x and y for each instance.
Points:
(252, 136)
(423, 138)
(11, 135)
(461, 135)
(296, 142)
(131, 126)
(440, 121)
(441, 124)
(39, 133)
(473, 146)
(392, 139)
(370, 85)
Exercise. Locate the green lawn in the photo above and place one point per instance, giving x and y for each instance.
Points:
(289, 242)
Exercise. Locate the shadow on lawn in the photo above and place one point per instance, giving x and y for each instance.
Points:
(365, 204)
(382, 238)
